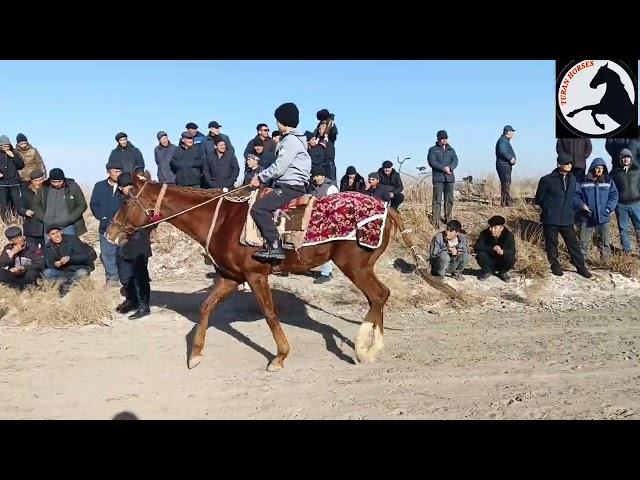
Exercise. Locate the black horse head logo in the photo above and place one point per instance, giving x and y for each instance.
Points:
(615, 102)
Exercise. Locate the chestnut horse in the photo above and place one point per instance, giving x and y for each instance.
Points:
(192, 211)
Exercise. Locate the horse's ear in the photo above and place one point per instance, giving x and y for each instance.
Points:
(147, 175)
(606, 65)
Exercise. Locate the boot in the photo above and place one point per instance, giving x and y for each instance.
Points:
(272, 251)
(131, 298)
(126, 307)
(142, 311)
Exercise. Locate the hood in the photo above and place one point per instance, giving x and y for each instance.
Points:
(626, 152)
(598, 162)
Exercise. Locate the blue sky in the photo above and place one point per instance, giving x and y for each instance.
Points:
(71, 110)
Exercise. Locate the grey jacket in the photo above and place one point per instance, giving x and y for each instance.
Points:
(439, 245)
(293, 163)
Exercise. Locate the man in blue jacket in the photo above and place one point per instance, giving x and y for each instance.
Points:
(105, 201)
(443, 161)
(505, 160)
(596, 197)
(556, 195)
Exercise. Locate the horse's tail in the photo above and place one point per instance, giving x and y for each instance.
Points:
(421, 266)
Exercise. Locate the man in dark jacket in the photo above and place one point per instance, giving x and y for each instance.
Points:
(163, 153)
(252, 168)
(21, 261)
(198, 137)
(505, 160)
(626, 175)
(263, 133)
(555, 195)
(10, 164)
(127, 155)
(596, 197)
(67, 258)
(33, 228)
(615, 145)
(377, 190)
(61, 203)
(221, 168)
(265, 157)
(214, 131)
(352, 181)
(390, 178)
(443, 161)
(187, 163)
(133, 262)
(496, 250)
(322, 154)
(579, 149)
(105, 202)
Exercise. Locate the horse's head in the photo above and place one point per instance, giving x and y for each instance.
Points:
(135, 212)
(604, 75)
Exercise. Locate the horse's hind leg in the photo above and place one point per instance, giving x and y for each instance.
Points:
(578, 110)
(377, 294)
(593, 114)
(260, 286)
(221, 289)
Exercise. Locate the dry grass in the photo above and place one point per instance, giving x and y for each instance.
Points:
(85, 304)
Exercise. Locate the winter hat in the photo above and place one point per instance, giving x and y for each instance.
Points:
(309, 135)
(37, 173)
(114, 164)
(442, 134)
(56, 174)
(191, 125)
(13, 232)
(4, 140)
(121, 135)
(187, 135)
(323, 114)
(318, 170)
(288, 114)
(496, 220)
(351, 170)
(253, 157)
(21, 137)
(374, 175)
(564, 159)
(161, 134)
(387, 164)
(125, 179)
(53, 227)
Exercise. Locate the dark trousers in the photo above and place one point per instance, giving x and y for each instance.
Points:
(29, 277)
(9, 198)
(504, 174)
(330, 168)
(134, 277)
(571, 241)
(262, 211)
(440, 190)
(492, 262)
(578, 172)
(397, 200)
(38, 240)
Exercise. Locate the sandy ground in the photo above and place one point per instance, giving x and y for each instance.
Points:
(566, 349)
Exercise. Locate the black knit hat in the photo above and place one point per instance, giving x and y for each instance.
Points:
(387, 164)
(125, 179)
(323, 114)
(121, 135)
(351, 170)
(496, 220)
(13, 232)
(288, 115)
(318, 170)
(564, 159)
(21, 137)
(56, 174)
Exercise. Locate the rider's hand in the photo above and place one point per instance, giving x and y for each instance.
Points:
(255, 182)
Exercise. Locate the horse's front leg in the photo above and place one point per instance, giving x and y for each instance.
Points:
(593, 114)
(588, 107)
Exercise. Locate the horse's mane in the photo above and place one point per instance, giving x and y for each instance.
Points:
(203, 193)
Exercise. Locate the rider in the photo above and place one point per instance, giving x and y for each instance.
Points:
(291, 173)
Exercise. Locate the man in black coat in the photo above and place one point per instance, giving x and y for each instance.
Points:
(263, 133)
(391, 179)
(443, 160)
(127, 155)
(505, 160)
(496, 250)
(10, 162)
(187, 163)
(133, 261)
(377, 190)
(555, 196)
(33, 227)
(221, 167)
(579, 149)
(67, 258)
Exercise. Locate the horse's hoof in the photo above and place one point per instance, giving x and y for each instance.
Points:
(272, 367)
(570, 114)
(194, 361)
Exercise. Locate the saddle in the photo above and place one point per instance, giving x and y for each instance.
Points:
(291, 220)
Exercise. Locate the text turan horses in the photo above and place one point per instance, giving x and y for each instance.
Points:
(235, 264)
